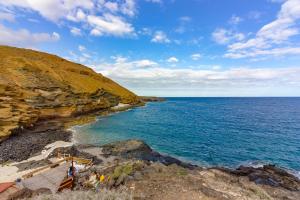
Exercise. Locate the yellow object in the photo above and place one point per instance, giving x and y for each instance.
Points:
(102, 178)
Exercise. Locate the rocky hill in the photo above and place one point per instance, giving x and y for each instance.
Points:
(36, 85)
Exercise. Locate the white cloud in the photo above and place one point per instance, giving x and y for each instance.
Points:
(216, 78)
(235, 20)
(86, 55)
(276, 1)
(144, 63)
(264, 52)
(80, 15)
(154, 1)
(196, 56)
(83, 56)
(160, 37)
(128, 8)
(7, 16)
(101, 16)
(145, 31)
(52, 10)
(24, 38)
(224, 36)
(172, 60)
(75, 31)
(216, 67)
(109, 25)
(55, 36)
(119, 59)
(81, 48)
(122, 62)
(272, 36)
(112, 6)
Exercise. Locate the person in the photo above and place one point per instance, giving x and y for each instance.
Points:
(102, 178)
(70, 171)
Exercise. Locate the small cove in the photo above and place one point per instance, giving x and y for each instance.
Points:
(209, 131)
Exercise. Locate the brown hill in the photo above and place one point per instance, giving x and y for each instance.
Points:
(35, 85)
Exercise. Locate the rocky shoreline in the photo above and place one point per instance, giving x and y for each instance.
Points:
(30, 141)
(19, 146)
(142, 173)
(152, 175)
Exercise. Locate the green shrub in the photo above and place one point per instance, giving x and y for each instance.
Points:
(126, 169)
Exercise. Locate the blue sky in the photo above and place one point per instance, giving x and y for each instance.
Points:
(168, 48)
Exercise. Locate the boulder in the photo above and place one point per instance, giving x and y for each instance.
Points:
(138, 149)
(268, 175)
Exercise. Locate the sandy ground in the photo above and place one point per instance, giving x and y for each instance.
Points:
(121, 106)
(9, 172)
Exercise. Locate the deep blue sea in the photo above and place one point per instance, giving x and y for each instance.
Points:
(209, 131)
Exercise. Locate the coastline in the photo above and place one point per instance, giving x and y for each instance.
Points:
(44, 145)
(68, 124)
(269, 177)
(247, 163)
(48, 131)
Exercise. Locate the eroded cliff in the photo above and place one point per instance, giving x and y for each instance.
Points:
(36, 85)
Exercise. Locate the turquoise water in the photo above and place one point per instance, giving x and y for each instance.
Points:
(210, 131)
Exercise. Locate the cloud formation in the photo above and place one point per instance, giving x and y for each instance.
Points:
(109, 25)
(160, 37)
(101, 16)
(25, 38)
(235, 20)
(75, 31)
(172, 60)
(274, 37)
(7, 16)
(155, 76)
(224, 36)
(196, 56)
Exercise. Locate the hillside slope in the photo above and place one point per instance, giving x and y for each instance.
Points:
(35, 85)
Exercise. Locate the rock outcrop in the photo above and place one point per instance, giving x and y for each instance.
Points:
(36, 85)
(267, 175)
(137, 149)
(146, 174)
(152, 99)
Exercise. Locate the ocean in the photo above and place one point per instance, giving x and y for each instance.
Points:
(209, 131)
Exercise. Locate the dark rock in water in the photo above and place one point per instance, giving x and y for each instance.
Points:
(128, 148)
(152, 99)
(137, 149)
(268, 175)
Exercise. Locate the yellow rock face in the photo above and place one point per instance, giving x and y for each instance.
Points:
(35, 85)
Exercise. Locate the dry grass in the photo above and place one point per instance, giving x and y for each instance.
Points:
(28, 68)
(103, 194)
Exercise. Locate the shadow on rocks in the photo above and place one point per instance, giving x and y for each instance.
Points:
(267, 175)
(137, 149)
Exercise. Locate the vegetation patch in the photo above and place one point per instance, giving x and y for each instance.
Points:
(126, 169)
